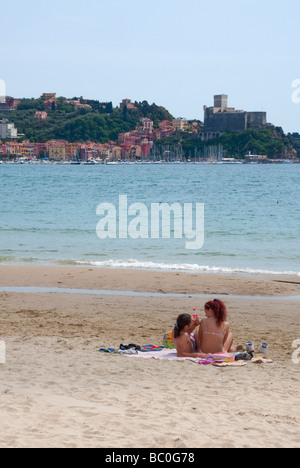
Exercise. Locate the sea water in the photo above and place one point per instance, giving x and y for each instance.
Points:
(48, 215)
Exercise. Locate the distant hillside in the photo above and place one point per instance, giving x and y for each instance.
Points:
(100, 123)
(270, 141)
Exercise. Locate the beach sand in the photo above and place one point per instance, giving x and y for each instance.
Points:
(57, 390)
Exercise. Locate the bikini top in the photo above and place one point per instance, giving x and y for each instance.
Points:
(221, 335)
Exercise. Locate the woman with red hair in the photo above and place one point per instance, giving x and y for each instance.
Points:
(214, 332)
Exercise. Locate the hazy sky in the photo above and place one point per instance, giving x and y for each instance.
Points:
(175, 53)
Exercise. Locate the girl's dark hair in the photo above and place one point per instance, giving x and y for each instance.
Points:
(219, 310)
(182, 321)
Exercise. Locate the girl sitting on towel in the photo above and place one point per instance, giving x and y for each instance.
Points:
(214, 334)
(186, 345)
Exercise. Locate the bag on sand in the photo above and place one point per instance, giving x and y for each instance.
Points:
(167, 341)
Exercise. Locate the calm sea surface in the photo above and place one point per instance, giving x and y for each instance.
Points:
(252, 216)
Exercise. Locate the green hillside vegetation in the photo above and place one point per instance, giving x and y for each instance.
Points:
(271, 142)
(98, 124)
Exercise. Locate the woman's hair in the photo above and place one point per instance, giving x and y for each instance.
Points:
(182, 321)
(219, 310)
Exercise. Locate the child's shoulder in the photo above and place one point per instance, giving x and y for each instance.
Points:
(184, 336)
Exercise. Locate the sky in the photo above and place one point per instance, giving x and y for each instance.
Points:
(175, 53)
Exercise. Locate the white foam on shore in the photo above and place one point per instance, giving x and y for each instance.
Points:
(184, 267)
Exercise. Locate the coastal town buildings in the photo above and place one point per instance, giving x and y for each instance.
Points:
(24, 149)
(166, 129)
(41, 115)
(141, 144)
(8, 130)
(8, 104)
(50, 105)
(180, 124)
(50, 101)
(57, 149)
(147, 124)
(76, 103)
(127, 103)
(48, 96)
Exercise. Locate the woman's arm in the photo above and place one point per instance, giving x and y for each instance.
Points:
(198, 343)
(226, 333)
(200, 336)
(194, 324)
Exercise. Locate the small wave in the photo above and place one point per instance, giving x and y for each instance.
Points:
(184, 267)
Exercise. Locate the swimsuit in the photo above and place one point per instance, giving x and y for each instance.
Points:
(221, 335)
(193, 340)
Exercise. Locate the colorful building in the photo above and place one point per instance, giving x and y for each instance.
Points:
(57, 149)
(180, 124)
(127, 103)
(41, 115)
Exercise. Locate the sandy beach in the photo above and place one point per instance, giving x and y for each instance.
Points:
(57, 390)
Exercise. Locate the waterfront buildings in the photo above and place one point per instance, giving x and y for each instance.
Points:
(57, 149)
(142, 143)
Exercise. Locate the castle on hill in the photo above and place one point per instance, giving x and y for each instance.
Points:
(220, 119)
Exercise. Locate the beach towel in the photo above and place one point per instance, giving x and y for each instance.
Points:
(220, 358)
(261, 360)
(257, 360)
(167, 341)
(230, 364)
(109, 350)
(171, 355)
(149, 352)
(161, 353)
(151, 348)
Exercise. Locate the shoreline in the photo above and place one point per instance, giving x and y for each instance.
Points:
(149, 266)
(23, 161)
(147, 281)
